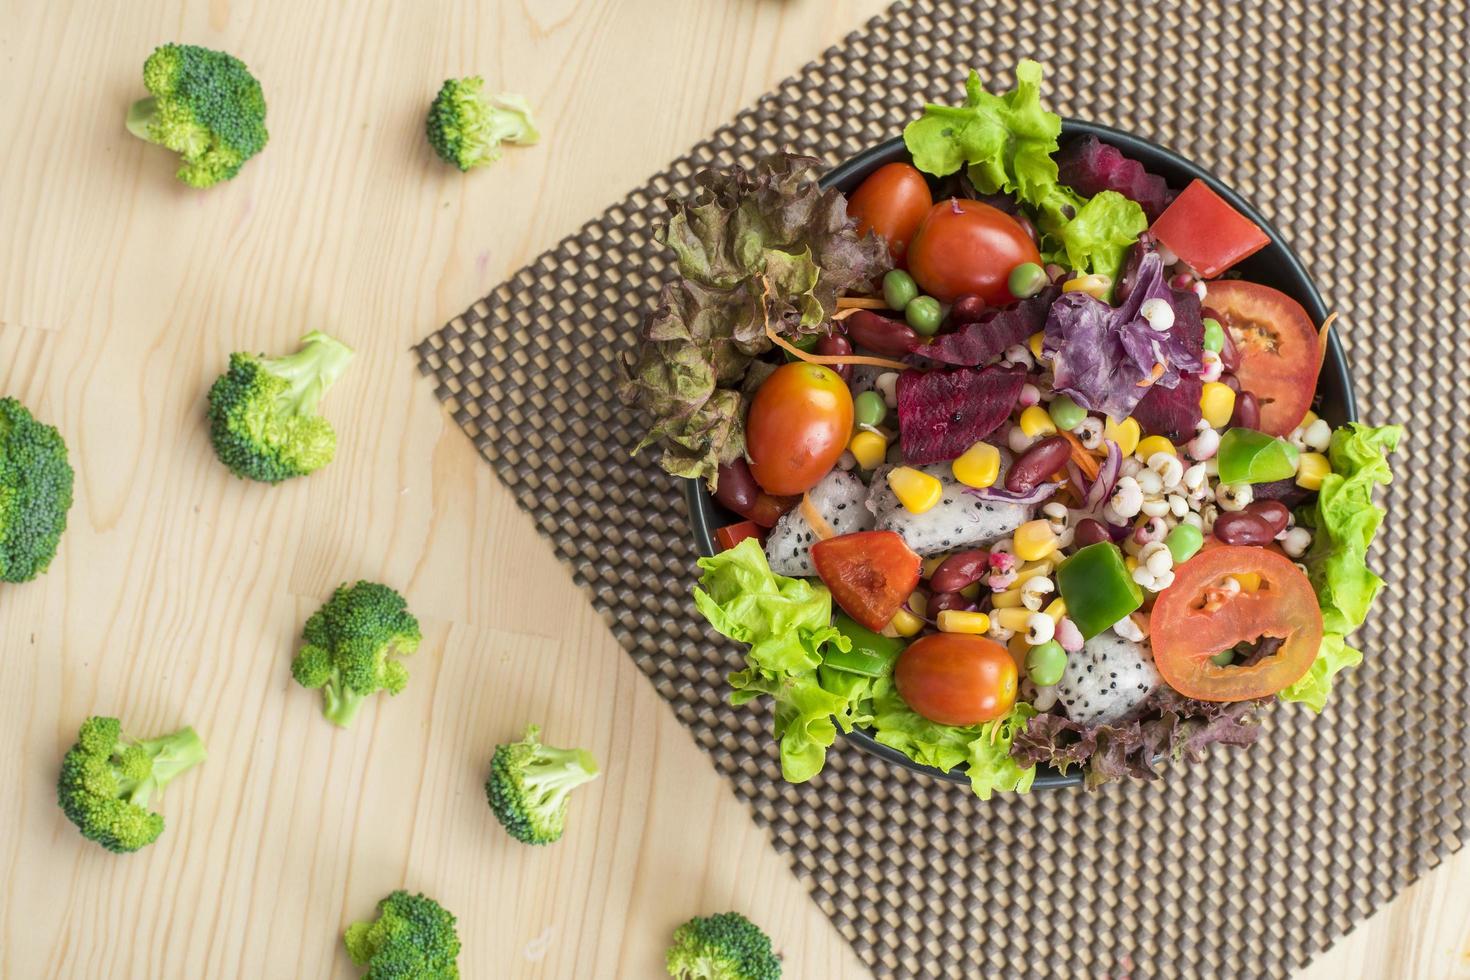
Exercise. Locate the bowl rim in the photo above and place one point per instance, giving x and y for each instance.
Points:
(698, 500)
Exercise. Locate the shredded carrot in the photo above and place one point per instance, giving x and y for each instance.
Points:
(1154, 375)
(1322, 335)
(815, 519)
(1086, 462)
(802, 355)
(841, 315)
(861, 303)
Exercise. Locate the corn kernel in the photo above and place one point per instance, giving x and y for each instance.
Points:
(1130, 563)
(1217, 404)
(931, 565)
(960, 621)
(1249, 581)
(1156, 444)
(918, 604)
(1036, 421)
(1019, 648)
(1043, 567)
(1013, 619)
(1034, 342)
(978, 467)
(1125, 433)
(1308, 419)
(971, 591)
(1056, 609)
(1009, 599)
(906, 623)
(1310, 469)
(918, 492)
(868, 448)
(1034, 540)
(1093, 285)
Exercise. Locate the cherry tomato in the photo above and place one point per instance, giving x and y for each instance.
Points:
(891, 201)
(969, 247)
(957, 678)
(1278, 348)
(870, 574)
(1193, 620)
(798, 425)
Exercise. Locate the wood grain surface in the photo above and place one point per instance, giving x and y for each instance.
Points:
(179, 590)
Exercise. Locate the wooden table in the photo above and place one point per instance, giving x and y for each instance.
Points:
(179, 590)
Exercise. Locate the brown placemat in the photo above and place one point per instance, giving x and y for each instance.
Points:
(1345, 122)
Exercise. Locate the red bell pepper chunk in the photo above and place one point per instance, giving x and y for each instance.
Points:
(870, 573)
(732, 534)
(1206, 232)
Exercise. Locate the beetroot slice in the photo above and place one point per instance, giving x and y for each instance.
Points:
(1171, 412)
(943, 413)
(973, 344)
(1090, 166)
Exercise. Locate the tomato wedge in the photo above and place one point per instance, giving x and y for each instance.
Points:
(1206, 232)
(1279, 349)
(1193, 620)
(732, 534)
(870, 574)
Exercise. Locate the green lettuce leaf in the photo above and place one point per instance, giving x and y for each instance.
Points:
(1098, 238)
(740, 233)
(1345, 520)
(984, 749)
(1006, 143)
(786, 622)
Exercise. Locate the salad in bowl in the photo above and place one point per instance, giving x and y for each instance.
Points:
(1021, 450)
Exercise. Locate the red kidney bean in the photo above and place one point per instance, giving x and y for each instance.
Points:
(735, 487)
(1230, 381)
(1029, 228)
(940, 601)
(1247, 413)
(1243, 527)
(960, 570)
(967, 309)
(1038, 463)
(1273, 512)
(881, 335)
(1089, 531)
(1229, 353)
(836, 345)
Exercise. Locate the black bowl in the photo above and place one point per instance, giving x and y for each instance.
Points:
(1275, 265)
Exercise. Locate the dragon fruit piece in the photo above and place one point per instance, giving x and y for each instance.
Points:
(1107, 679)
(839, 498)
(959, 520)
(1089, 166)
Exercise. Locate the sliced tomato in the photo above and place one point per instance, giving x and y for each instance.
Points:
(1205, 231)
(1278, 346)
(870, 574)
(957, 678)
(891, 201)
(1194, 619)
(732, 534)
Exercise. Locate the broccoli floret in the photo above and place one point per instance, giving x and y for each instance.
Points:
(106, 782)
(529, 785)
(206, 106)
(727, 946)
(351, 647)
(35, 492)
(262, 411)
(413, 938)
(466, 126)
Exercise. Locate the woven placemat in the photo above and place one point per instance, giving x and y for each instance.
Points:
(1345, 123)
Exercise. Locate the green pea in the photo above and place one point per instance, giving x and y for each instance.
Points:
(899, 289)
(1046, 663)
(869, 409)
(923, 314)
(1214, 334)
(1224, 658)
(1027, 279)
(1066, 413)
(803, 343)
(1184, 541)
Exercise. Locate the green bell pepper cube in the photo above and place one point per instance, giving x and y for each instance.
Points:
(1097, 588)
(872, 654)
(1248, 456)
